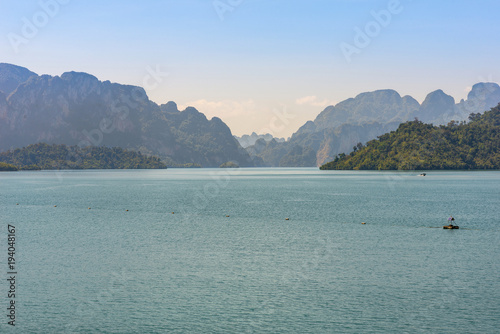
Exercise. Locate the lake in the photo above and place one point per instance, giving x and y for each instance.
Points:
(251, 251)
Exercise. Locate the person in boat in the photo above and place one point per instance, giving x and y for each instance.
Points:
(451, 220)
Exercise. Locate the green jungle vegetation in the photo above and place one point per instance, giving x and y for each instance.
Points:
(45, 156)
(187, 165)
(229, 164)
(419, 146)
(7, 167)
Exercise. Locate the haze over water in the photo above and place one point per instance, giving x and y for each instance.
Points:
(211, 251)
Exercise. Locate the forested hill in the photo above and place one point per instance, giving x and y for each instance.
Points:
(7, 167)
(418, 146)
(77, 108)
(44, 156)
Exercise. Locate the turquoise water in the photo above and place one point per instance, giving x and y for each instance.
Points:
(146, 270)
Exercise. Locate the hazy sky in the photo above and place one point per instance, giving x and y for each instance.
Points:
(260, 65)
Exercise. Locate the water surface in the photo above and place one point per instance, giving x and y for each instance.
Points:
(211, 251)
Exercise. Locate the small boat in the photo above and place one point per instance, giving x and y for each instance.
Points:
(451, 226)
(423, 174)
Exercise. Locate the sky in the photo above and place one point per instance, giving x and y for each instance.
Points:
(259, 65)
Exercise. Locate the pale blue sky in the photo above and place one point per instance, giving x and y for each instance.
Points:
(264, 57)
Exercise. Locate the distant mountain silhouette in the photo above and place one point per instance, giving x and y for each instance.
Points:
(249, 140)
(11, 76)
(337, 129)
(78, 109)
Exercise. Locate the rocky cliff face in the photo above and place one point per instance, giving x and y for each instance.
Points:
(11, 76)
(381, 106)
(78, 109)
(338, 128)
(437, 106)
(482, 97)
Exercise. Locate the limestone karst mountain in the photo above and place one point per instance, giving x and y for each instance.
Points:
(11, 76)
(78, 109)
(337, 129)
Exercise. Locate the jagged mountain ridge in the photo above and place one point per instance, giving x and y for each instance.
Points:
(419, 146)
(78, 109)
(249, 140)
(338, 128)
(383, 106)
(11, 76)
